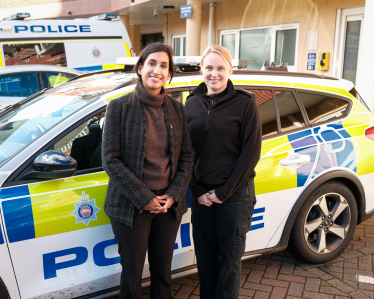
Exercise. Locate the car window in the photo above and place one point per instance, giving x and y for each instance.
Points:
(35, 53)
(55, 78)
(84, 143)
(265, 104)
(18, 85)
(322, 107)
(289, 112)
(179, 95)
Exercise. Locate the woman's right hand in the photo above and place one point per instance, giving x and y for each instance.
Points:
(204, 200)
(156, 202)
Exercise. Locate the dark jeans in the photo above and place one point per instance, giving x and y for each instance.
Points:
(158, 233)
(219, 234)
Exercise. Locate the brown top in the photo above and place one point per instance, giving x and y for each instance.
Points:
(156, 167)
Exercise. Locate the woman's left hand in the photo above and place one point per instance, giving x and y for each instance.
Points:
(169, 201)
(213, 197)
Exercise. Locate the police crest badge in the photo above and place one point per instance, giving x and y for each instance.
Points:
(85, 210)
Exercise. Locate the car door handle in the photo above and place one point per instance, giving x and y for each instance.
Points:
(294, 161)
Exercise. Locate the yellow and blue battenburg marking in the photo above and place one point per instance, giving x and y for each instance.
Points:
(65, 205)
(54, 207)
(340, 144)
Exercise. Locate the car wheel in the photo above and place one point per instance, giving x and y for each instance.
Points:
(325, 224)
(3, 290)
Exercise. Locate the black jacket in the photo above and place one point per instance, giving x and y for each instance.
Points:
(123, 150)
(226, 139)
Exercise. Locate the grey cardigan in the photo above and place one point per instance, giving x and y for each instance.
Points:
(123, 150)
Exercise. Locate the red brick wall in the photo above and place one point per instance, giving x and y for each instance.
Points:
(20, 3)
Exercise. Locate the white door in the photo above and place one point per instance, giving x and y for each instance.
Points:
(349, 33)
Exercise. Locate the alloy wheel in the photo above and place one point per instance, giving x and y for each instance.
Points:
(327, 223)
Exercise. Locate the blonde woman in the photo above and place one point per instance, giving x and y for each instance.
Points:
(225, 127)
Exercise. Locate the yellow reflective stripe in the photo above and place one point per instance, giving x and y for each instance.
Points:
(364, 155)
(355, 119)
(271, 144)
(357, 131)
(258, 82)
(92, 40)
(271, 177)
(127, 49)
(112, 66)
(340, 91)
(33, 42)
(176, 84)
(68, 183)
(1, 62)
(52, 212)
(283, 148)
(185, 94)
(357, 107)
(119, 94)
(196, 82)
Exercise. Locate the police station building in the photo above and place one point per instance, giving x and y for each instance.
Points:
(330, 37)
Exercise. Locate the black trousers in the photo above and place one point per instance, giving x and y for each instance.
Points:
(219, 234)
(158, 233)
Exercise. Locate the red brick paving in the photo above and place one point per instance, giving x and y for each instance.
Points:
(281, 276)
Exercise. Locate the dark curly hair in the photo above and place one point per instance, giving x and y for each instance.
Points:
(153, 48)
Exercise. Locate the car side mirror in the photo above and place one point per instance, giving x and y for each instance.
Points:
(52, 165)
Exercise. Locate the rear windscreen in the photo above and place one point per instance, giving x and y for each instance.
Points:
(50, 53)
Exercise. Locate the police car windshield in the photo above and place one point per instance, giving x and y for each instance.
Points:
(23, 124)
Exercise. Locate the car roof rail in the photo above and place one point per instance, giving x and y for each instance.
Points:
(184, 63)
(17, 16)
(104, 17)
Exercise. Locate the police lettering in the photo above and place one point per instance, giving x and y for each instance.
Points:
(80, 254)
(52, 29)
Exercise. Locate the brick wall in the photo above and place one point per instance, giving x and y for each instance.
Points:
(19, 3)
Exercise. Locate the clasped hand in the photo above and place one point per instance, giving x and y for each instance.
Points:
(160, 204)
(208, 199)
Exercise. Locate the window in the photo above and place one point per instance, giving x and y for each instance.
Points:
(179, 95)
(265, 104)
(35, 53)
(179, 44)
(322, 107)
(270, 43)
(18, 85)
(290, 115)
(58, 78)
(84, 143)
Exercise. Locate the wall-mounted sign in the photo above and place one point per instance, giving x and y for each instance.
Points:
(186, 11)
(311, 65)
(312, 40)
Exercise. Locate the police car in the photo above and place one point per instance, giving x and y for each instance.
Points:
(19, 82)
(314, 183)
(84, 44)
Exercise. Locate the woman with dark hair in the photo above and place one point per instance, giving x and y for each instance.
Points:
(148, 156)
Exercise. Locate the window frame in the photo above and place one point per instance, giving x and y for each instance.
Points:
(297, 100)
(180, 89)
(12, 179)
(344, 115)
(181, 36)
(273, 31)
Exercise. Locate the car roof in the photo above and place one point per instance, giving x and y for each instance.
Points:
(38, 68)
(275, 78)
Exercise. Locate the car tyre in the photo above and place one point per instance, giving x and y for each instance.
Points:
(325, 224)
(3, 290)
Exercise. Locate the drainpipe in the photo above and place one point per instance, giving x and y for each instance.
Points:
(211, 16)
